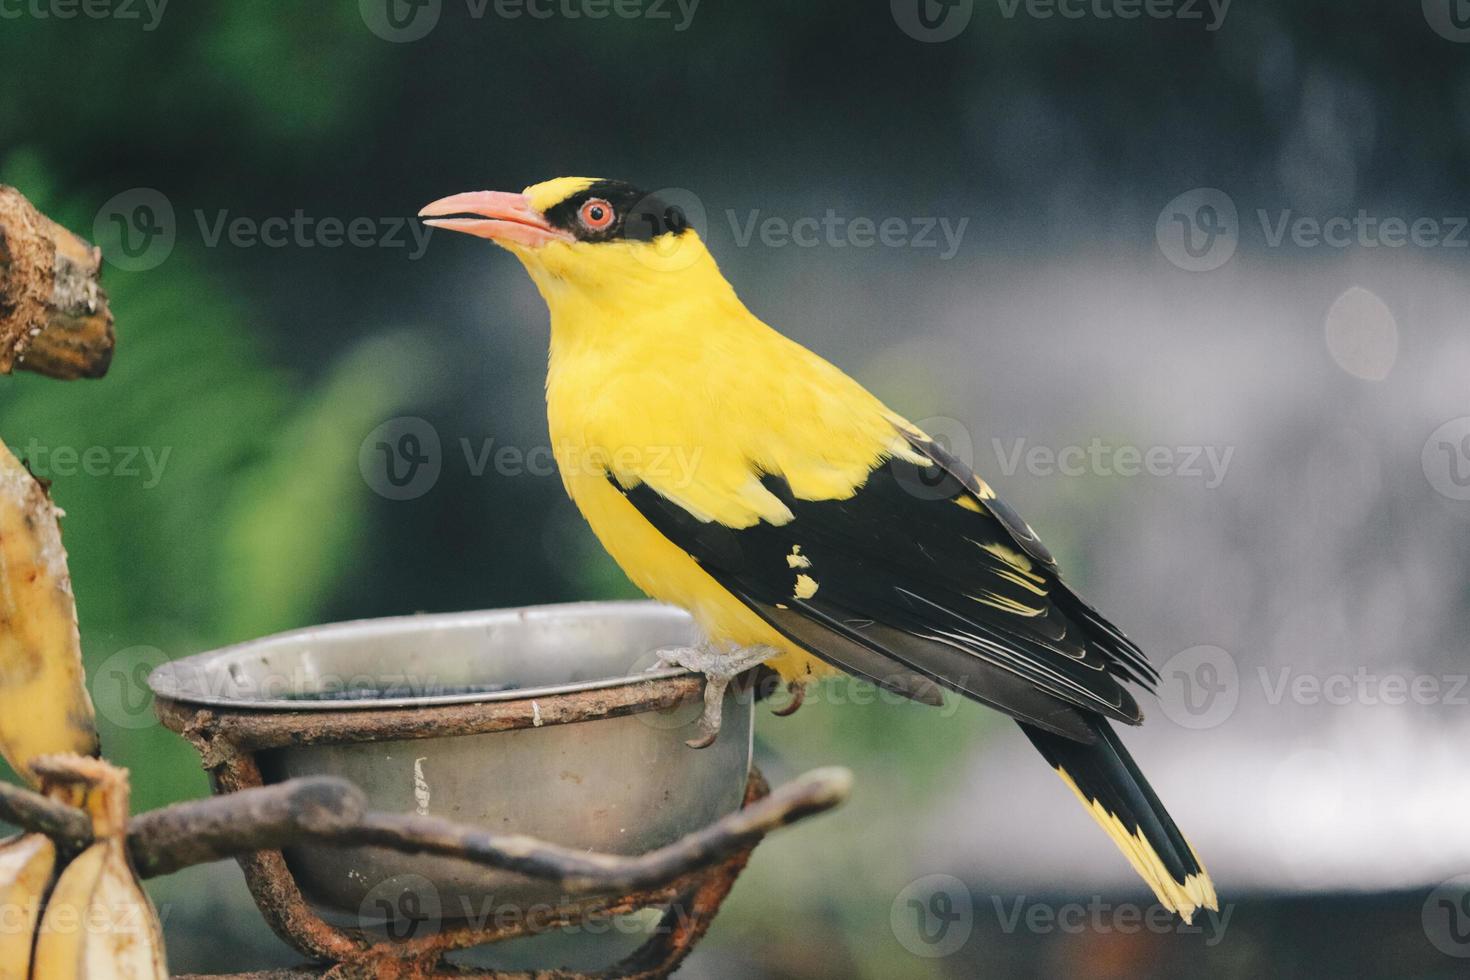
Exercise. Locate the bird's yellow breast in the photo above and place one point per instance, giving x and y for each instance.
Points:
(683, 389)
(631, 424)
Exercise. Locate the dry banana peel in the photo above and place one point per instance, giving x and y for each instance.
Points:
(26, 865)
(99, 923)
(44, 706)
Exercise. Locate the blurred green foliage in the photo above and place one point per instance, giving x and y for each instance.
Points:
(226, 506)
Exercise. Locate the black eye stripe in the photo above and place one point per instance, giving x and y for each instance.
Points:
(636, 215)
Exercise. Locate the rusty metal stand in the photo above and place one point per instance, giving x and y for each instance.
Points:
(228, 742)
(692, 902)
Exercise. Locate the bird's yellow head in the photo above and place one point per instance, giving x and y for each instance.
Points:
(582, 238)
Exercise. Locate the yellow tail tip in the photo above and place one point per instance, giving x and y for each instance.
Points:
(1183, 898)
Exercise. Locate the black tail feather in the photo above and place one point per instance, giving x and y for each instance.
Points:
(1110, 784)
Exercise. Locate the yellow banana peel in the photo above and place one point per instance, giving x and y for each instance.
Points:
(44, 706)
(26, 865)
(99, 923)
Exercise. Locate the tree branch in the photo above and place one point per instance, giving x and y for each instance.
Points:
(331, 811)
(54, 318)
(323, 808)
(579, 871)
(66, 825)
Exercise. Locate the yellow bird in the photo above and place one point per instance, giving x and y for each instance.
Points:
(731, 471)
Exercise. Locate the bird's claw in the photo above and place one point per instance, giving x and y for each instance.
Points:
(719, 667)
(798, 696)
(703, 741)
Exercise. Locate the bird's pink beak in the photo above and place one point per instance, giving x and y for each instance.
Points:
(501, 217)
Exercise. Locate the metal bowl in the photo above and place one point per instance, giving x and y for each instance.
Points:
(624, 784)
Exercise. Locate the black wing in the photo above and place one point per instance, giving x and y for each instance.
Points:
(922, 577)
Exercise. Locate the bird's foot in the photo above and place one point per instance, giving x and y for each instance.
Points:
(719, 666)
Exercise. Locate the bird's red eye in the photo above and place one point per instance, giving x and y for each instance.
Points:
(596, 214)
